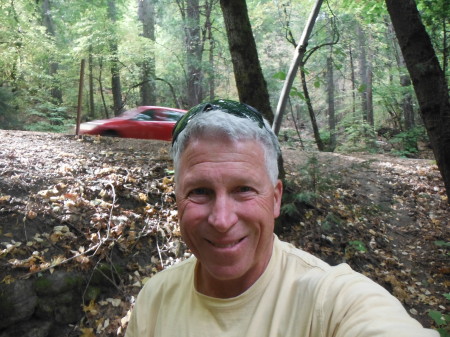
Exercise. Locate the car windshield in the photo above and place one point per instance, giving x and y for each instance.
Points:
(129, 113)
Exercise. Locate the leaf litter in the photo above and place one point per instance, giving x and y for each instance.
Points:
(78, 204)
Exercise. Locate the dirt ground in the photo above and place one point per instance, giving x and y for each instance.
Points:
(70, 203)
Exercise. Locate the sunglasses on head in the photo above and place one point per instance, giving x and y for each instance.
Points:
(234, 108)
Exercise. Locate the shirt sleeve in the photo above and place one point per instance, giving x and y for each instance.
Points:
(352, 305)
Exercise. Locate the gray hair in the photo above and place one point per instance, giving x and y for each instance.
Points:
(222, 124)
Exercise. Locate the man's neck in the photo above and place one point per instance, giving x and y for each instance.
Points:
(210, 286)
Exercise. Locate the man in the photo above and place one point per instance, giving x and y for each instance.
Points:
(244, 281)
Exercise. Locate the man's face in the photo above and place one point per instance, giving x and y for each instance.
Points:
(227, 206)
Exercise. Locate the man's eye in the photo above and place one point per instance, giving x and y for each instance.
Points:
(244, 189)
(198, 192)
(199, 195)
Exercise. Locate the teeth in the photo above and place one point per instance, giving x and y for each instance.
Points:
(225, 246)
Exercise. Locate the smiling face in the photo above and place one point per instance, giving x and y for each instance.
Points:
(227, 206)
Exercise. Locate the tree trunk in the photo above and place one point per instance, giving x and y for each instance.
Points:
(312, 115)
(100, 86)
(146, 14)
(427, 77)
(91, 85)
(362, 71)
(209, 36)
(407, 103)
(353, 79)
(115, 67)
(370, 117)
(405, 82)
(53, 68)
(250, 82)
(190, 11)
(331, 110)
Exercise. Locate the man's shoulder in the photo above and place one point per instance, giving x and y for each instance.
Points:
(308, 267)
(299, 256)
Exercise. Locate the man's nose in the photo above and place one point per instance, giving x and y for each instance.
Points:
(223, 213)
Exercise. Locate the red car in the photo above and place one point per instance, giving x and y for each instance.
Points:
(144, 122)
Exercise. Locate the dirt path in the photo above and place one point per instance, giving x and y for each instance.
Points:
(385, 216)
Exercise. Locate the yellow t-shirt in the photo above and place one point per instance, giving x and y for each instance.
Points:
(297, 295)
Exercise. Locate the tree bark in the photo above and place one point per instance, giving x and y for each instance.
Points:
(56, 92)
(405, 82)
(427, 77)
(407, 104)
(146, 14)
(370, 116)
(91, 85)
(312, 115)
(331, 109)
(363, 71)
(190, 12)
(353, 80)
(115, 68)
(250, 82)
(209, 36)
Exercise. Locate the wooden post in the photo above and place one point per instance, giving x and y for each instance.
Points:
(80, 96)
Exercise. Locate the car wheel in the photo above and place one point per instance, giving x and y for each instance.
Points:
(110, 133)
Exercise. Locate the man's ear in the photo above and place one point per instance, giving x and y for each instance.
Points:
(278, 192)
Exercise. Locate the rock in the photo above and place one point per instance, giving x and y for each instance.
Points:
(57, 283)
(59, 297)
(63, 309)
(33, 328)
(18, 301)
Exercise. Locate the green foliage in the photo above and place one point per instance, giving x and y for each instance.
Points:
(325, 136)
(330, 221)
(435, 15)
(356, 135)
(296, 93)
(441, 319)
(408, 141)
(292, 202)
(441, 243)
(313, 182)
(281, 75)
(358, 245)
(82, 28)
(313, 178)
(48, 117)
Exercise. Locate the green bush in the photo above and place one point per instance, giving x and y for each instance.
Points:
(48, 117)
(407, 141)
(356, 135)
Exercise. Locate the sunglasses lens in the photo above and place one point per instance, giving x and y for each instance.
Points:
(237, 109)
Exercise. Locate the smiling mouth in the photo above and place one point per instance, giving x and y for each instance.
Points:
(225, 245)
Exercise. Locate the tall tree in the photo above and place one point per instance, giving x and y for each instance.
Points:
(115, 65)
(146, 14)
(405, 81)
(91, 84)
(190, 12)
(54, 65)
(209, 4)
(363, 72)
(428, 79)
(250, 82)
(331, 109)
